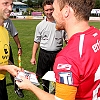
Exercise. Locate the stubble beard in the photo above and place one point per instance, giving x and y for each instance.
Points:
(59, 27)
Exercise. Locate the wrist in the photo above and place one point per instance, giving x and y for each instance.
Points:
(19, 48)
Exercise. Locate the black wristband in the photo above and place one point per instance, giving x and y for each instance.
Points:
(19, 48)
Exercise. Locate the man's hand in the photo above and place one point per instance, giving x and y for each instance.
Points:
(24, 84)
(12, 69)
(33, 61)
(20, 51)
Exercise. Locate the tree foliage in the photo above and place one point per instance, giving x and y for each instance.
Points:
(97, 4)
(38, 3)
(29, 3)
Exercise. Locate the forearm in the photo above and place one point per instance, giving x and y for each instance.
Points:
(34, 50)
(12, 69)
(17, 41)
(3, 67)
(42, 95)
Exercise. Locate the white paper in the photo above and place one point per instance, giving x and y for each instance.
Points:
(50, 76)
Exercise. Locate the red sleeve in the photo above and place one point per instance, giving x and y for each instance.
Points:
(66, 71)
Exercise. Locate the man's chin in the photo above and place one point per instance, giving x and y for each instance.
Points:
(59, 27)
(6, 17)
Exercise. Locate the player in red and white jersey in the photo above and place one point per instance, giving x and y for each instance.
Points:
(78, 64)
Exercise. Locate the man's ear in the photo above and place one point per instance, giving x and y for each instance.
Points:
(67, 11)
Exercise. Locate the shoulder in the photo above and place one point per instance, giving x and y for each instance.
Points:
(7, 23)
(42, 22)
(3, 30)
(7, 20)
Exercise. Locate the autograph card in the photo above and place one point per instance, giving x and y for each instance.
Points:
(29, 75)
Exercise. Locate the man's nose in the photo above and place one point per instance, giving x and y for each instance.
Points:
(10, 7)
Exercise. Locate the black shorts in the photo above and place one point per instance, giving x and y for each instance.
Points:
(11, 56)
(3, 90)
(45, 61)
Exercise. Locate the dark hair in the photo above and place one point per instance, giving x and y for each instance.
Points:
(47, 2)
(82, 8)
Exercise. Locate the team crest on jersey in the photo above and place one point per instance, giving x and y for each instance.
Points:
(64, 66)
(66, 78)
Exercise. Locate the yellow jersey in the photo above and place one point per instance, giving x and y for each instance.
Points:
(4, 49)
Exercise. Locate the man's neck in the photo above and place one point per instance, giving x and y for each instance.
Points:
(77, 27)
(50, 19)
(1, 22)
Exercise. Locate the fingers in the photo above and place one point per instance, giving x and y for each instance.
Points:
(20, 51)
(18, 84)
(33, 62)
(19, 69)
(21, 82)
(22, 69)
(14, 70)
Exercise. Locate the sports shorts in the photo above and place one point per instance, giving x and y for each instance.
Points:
(3, 90)
(45, 61)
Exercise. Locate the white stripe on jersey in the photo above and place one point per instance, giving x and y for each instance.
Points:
(81, 44)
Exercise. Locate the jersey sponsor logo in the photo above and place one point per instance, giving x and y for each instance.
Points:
(6, 48)
(66, 78)
(4, 62)
(96, 46)
(95, 34)
(5, 57)
(64, 66)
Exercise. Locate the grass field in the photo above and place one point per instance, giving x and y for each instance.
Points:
(26, 29)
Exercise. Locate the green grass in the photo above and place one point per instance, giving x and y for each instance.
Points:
(96, 24)
(26, 29)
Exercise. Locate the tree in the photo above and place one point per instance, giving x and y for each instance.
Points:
(29, 3)
(40, 2)
(18, 0)
(97, 4)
